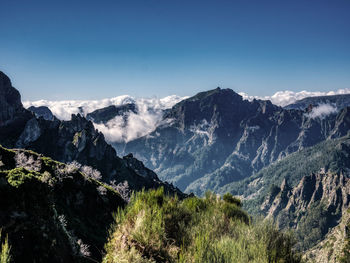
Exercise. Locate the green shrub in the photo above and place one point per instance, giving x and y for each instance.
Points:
(159, 228)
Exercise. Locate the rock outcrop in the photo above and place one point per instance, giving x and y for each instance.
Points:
(42, 111)
(13, 116)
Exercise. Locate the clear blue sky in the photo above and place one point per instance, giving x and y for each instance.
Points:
(95, 49)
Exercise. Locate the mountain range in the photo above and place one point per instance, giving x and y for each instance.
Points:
(289, 164)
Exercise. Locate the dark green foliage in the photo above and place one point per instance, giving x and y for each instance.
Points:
(313, 226)
(53, 214)
(229, 198)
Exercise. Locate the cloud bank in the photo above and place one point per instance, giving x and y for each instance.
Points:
(150, 110)
(284, 98)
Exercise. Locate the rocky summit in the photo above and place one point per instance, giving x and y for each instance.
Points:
(216, 137)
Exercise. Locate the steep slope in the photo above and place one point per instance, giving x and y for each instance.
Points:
(308, 191)
(335, 247)
(216, 137)
(52, 212)
(13, 116)
(67, 141)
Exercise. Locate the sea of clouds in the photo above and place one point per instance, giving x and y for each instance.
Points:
(284, 98)
(150, 110)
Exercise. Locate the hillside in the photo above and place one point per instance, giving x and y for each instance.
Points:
(158, 228)
(53, 212)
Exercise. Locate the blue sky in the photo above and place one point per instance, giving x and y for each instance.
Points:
(95, 49)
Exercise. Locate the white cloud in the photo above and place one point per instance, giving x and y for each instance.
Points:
(284, 98)
(145, 121)
(322, 111)
(150, 110)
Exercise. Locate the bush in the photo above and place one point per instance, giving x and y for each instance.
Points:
(159, 228)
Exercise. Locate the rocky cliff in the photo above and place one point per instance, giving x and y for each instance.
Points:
(216, 137)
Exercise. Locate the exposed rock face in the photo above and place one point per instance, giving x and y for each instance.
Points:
(316, 208)
(334, 246)
(42, 111)
(67, 141)
(13, 116)
(216, 138)
(10, 101)
(332, 190)
(30, 133)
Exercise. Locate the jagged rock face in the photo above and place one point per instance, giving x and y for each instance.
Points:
(30, 133)
(13, 116)
(216, 138)
(106, 114)
(10, 101)
(42, 111)
(333, 190)
(67, 141)
(314, 207)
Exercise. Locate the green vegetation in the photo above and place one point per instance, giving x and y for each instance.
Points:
(315, 223)
(51, 212)
(345, 258)
(5, 256)
(159, 228)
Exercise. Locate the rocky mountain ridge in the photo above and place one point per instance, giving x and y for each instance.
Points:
(216, 137)
(67, 141)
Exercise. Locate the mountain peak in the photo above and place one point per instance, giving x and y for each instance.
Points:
(10, 100)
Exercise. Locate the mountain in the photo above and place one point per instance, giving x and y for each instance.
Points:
(13, 117)
(108, 113)
(308, 191)
(53, 212)
(215, 138)
(68, 141)
(339, 101)
(42, 111)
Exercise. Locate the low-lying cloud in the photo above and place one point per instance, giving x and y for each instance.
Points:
(284, 98)
(322, 111)
(150, 113)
